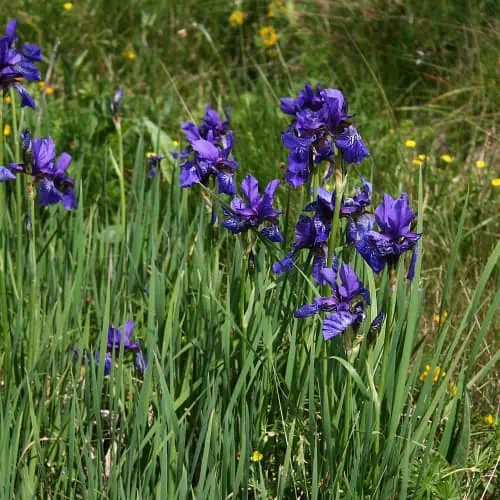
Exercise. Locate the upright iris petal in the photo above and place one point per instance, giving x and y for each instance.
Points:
(256, 210)
(394, 218)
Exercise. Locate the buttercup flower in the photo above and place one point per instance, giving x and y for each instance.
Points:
(489, 420)
(422, 157)
(417, 162)
(480, 164)
(237, 17)
(268, 36)
(495, 182)
(346, 303)
(130, 54)
(7, 130)
(447, 158)
(410, 144)
(276, 7)
(18, 64)
(394, 218)
(257, 456)
(257, 210)
(67, 6)
(440, 319)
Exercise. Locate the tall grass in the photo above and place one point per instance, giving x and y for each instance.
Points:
(230, 370)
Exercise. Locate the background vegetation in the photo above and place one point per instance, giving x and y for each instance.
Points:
(231, 372)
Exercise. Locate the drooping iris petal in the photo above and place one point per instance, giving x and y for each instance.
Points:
(6, 175)
(141, 363)
(351, 145)
(337, 323)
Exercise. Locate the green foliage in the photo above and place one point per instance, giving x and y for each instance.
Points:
(231, 372)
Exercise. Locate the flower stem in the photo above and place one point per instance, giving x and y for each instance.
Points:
(340, 182)
(123, 204)
(19, 194)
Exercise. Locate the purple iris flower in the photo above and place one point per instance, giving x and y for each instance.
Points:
(384, 247)
(351, 206)
(347, 302)
(41, 163)
(115, 104)
(154, 162)
(210, 160)
(258, 209)
(311, 233)
(141, 363)
(18, 64)
(115, 337)
(321, 118)
(108, 361)
(351, 145)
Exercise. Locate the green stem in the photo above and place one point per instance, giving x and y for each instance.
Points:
(123, 205)
(340, 182)
(19, 196)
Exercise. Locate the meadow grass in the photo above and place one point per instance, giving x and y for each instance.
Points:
(240, 399)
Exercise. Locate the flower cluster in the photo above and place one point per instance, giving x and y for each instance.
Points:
(209, 153)
(17, 64)
(41, 164)
(313, 232)
(321, 124)
(115, 339)
(320, 131)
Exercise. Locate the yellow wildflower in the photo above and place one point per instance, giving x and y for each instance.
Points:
(67, 6)
(7, 130)
(452, 389)
(150, 154)
(417, 162)
(424, 374)
(422, 157)
(440, 319)
(410, 144)
(175, 143)
(236, 18)
(7, 99)
(268, 36)
(480, 164)
(447, 158)
(276, 7)
(495, 182)
(257, 456)
(488, 419)
(130, 54)
(41, 85)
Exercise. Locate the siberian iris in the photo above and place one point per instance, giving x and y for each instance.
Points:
(394, 218)
(17, 64)
(346, 303)
(310, 233)
(40, 162)
(255, 211)
(321, 122)
(208, 153)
